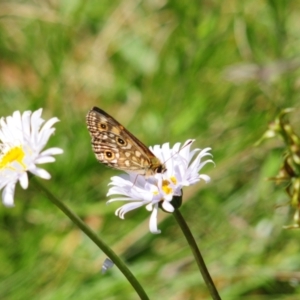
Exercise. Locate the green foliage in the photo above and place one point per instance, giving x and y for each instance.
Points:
(169, 71)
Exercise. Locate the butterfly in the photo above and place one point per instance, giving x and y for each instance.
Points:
(116, 147)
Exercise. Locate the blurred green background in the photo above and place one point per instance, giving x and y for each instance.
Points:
(216, 71)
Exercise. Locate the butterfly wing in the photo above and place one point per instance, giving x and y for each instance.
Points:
(116, 147)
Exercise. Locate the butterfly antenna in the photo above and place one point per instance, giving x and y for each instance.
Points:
(179, 150)
(135, 180)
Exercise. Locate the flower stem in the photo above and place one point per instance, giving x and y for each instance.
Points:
(93, 236)
(197, 254)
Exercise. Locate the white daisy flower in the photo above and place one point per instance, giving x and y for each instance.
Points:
(183, 166)
(21, 142)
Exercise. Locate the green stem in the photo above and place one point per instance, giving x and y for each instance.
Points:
(197, 254)
(93, 236)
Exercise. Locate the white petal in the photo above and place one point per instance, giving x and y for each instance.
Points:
(8, 195)
(23, 179)
(44, 137)
(149, 207)
(17, 124)
(185, 149)
(153, 221)
(35, 124)
(176, 147)
(6, 131)
(46, 131)
(187, 182)
(50, 123)
(117, 180)
(121, 211)
(169, 196)
(167, 206)
(44, 160)
(40, 172)
(165, 152)
(119, 199)
(206, 162)
(205, 177)
(26, 124)
(52, 151)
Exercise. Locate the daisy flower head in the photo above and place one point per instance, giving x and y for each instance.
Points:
(22, 139)
(183, 166)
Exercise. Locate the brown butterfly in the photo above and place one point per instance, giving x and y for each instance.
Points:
(116, 147)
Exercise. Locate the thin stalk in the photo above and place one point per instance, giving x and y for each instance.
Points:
(197, 254)
(95, 238)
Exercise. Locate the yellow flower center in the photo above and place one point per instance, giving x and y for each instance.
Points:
(15, 154)
(166, 188)
(166, 185)
(173, 179)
